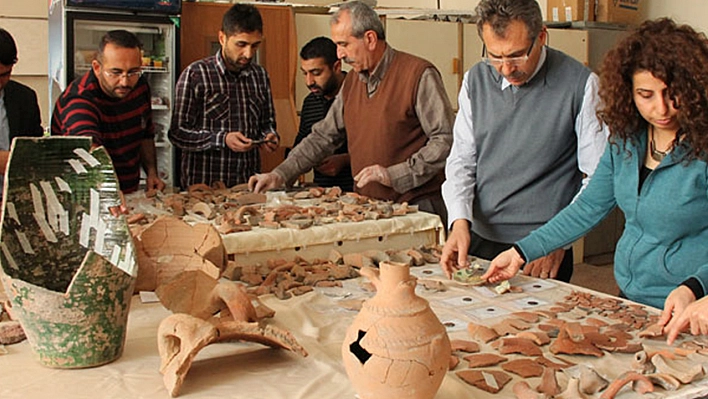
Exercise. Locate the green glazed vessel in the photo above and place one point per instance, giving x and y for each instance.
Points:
(67, 256)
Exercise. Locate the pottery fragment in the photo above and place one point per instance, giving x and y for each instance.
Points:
(484, 359)
(549, 384)
(525, 367)
(640, 383)
(522, 390)
(589, 380)
(487, 380)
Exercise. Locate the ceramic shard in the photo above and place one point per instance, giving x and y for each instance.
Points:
(640, 383)
(169, 246)
(464, 346)
(11, 332)
(590, 381)
(487, 380)
(549, 384)
(484, 359)
(181, 336)
(523, 367)
(523, 390)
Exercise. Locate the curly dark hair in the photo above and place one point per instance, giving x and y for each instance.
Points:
(675, 54)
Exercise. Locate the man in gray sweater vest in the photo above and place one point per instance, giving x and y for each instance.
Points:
(525, 134)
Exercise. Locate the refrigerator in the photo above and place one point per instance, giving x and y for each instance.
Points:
(75, 30)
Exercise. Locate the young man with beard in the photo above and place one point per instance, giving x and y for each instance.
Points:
(392, 110)
(111, 104)
(323, 76)
(224, 107)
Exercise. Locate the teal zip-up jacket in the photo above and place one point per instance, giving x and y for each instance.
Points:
(665, 239)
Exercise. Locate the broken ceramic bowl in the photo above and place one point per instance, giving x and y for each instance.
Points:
(67, 255)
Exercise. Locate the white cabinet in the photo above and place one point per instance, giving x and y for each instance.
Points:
(434, 41)
(587, 45)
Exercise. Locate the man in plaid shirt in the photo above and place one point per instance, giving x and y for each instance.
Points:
(224, 108)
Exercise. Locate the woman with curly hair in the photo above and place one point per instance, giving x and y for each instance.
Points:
(654, 95)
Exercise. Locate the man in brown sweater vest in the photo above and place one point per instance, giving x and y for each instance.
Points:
(394, 112)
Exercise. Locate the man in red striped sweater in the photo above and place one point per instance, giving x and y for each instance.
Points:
(111, 104)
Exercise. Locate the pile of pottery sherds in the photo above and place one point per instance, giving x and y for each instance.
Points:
(236, 209)
(581, 325)
(210, 310)
(285, 278)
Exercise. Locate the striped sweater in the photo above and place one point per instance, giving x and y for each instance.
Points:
(314, 109)
(119, 125)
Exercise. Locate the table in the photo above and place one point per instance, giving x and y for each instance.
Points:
(410, 230)
(247, 370)
(257, 245)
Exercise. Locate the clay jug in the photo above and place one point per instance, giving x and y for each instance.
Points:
(396, 347)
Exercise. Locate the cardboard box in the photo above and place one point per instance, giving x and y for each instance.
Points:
(570, 10)
(630, 12)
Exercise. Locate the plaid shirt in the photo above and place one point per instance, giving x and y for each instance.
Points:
(210, 102)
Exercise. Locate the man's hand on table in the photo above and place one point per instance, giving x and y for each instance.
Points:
(546, 266)
(153, 185)
(371, 174)
(454, 253)
(679, 311)
(504, 266)
(261, 182)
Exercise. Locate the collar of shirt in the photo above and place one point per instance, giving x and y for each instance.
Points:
(221, 67)
(372, 79)
(505, 83)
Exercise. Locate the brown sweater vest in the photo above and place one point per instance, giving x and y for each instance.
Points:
(385, 129)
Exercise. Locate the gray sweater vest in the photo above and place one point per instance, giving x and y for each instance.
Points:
(527, 166)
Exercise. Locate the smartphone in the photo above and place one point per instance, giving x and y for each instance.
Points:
(263, 141)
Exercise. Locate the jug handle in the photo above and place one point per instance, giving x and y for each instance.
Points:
(372, 274)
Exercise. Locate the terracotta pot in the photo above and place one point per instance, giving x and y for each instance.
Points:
(396, 347)
(67, 257)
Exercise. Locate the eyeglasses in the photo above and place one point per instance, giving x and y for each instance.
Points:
(512, 61)
(133, 74)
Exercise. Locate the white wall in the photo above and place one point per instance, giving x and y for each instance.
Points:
(452, 4)
(692, 12)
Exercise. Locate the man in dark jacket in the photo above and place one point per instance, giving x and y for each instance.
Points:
(19, 111)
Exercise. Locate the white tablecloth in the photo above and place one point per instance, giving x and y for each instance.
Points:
(248, 371)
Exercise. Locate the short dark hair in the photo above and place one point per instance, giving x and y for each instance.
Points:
(242, 18)
(320, 47)
(121, 38)
(499, 14)
(8, 48)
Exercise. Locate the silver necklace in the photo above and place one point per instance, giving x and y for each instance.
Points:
(656, 155)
